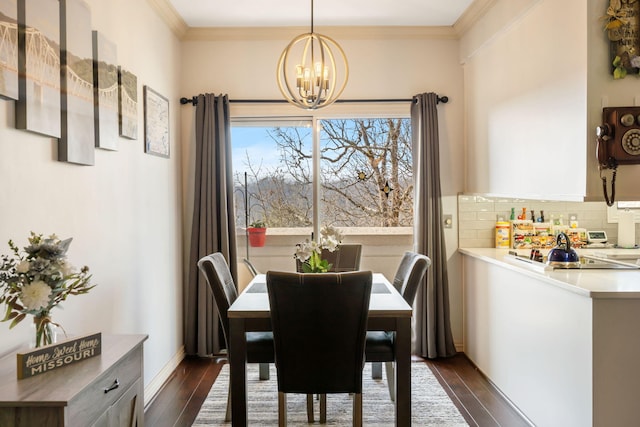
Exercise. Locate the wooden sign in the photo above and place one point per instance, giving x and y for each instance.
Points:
(54, 356)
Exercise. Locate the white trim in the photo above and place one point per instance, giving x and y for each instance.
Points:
(335, 32)
(156, 384)
(170, 16)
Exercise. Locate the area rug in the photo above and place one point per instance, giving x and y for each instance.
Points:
(430, 404)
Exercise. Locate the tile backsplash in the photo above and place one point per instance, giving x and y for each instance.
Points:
(477, 217)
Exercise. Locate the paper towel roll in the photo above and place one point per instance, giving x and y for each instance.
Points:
(626, 229)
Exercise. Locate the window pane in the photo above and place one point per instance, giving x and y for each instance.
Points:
(366, 172)
(272, 173)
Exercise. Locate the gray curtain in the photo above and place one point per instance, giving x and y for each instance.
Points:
(432, 323)
(213, 227)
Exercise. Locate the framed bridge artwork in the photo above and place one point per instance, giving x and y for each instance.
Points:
(38, 106)
(105, 92)
(128, 100)
(77, 140)
(9, 49)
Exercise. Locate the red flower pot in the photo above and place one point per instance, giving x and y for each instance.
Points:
(257, 236)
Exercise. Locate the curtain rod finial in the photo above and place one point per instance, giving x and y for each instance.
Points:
(443, 99)
(193, 100)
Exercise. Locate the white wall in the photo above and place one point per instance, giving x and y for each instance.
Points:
(382, 65)
(535, 85)
(604, 91)
(124, 213)
(525, 84)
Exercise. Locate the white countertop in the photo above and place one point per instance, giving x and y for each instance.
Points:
(590, 283)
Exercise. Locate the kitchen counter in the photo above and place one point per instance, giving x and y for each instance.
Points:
(562, 345)
(589, 283)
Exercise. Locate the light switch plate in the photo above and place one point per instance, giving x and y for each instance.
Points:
(448, 221)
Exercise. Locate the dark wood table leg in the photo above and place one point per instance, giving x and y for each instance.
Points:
(403, 372)
(238, 372)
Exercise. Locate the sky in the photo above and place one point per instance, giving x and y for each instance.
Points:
(255, 141)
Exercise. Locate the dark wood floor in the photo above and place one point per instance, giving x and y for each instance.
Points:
(179, 401)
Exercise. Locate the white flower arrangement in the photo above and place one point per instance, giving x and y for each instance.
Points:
(34, 281)
(309, 252)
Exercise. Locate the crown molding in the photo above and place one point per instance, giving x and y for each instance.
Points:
(337, 32)
(178, 26)
(170, 16)
(474, 12)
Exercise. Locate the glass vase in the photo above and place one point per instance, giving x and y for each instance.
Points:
(43, 332)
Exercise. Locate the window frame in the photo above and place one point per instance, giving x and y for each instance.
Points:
(270, 113)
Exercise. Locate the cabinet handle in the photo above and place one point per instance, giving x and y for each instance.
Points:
(113, 386)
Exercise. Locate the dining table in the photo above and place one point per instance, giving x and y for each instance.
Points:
(388, 311)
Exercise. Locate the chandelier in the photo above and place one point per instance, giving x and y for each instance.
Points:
(319, 74)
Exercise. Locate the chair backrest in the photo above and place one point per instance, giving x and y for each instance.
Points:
(319, 323)
(345, 258)
(216, 271)
(411, 271)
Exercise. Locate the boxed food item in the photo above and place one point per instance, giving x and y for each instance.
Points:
(526, 234)
(522, 232)
(577, 237)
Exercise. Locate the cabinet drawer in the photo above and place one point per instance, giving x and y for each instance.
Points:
(88, 405)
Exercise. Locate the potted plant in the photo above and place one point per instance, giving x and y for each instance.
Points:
(257, 232)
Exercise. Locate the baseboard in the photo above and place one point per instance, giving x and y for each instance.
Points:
(504, 396)
(156, 384)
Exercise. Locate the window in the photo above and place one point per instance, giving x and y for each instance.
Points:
(360, 168)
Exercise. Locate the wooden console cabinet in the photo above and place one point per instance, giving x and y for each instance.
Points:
(76, 394)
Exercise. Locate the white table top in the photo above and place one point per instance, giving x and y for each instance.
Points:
(385, 301)
(590, 283)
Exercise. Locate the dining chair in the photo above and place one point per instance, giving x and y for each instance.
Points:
(311, 358)
(344, 258)
(380, 344)
(259, 344)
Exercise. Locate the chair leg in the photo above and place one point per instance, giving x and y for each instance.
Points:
(227, 415)
(310, 418)
(264, 371)
(323, 409)
(376, 370)
(357, 410)
(282, 409)
(391, 380)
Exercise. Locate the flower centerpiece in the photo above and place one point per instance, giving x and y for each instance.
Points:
(34, 281)
(309, 253)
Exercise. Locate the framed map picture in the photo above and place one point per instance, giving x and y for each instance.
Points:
(156, 123)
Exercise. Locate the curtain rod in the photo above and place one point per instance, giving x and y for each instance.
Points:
(194, 100)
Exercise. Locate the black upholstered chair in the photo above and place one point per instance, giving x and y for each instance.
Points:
(259, 344)
(344, 258)
(311, 358)
(379, 344)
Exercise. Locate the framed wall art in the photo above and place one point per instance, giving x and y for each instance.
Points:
(623, 31)
(9, 49)
(38, 106)
(77, 141)
(105, 92)
(156, 123)
(128, 100)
